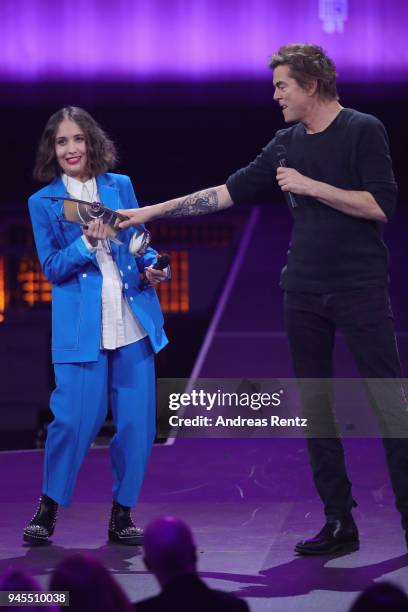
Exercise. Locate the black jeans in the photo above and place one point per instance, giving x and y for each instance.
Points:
(365, 318)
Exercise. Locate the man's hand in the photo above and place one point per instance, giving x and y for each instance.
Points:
(155, 276)
(137, 216)
(359, 204)
(291, 180)
(95, 230)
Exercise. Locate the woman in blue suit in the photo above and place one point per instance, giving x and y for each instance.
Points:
(105, 328)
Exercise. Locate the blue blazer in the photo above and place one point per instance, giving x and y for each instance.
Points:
(75, 276)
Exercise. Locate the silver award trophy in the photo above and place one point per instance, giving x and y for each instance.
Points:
(82, 213)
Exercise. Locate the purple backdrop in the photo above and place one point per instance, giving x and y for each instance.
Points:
(195, 39)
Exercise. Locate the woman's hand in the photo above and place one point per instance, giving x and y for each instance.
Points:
(95, 230)
(155, 276)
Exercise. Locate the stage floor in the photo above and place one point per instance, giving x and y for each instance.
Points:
(247, 501)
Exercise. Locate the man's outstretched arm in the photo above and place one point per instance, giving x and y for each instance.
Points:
(198, 203)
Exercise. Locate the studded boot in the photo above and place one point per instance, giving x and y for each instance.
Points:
(42, 525)
(121, 527)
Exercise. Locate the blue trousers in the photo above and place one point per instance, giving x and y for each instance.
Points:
(79, 405)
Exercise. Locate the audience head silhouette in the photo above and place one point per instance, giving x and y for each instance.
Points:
(381, 597)
(90, 585)
(18, 580)
(169, 549)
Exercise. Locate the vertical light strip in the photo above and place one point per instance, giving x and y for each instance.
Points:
(2, 289)
(222, 302)
(224, 297)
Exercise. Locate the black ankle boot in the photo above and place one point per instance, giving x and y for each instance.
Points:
(122, 528)
(337, 536)
(42, 525)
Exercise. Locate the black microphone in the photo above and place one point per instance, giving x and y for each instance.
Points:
(282, 161)
(161, 263)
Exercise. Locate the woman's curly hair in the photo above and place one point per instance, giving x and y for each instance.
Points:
(101, 151)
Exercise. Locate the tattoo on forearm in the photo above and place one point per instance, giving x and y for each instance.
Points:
(199, 203)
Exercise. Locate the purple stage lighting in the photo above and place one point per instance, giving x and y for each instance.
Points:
(142, 40)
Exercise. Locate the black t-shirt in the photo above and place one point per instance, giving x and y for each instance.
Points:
(329, 250)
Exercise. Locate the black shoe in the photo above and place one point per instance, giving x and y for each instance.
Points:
(122, 528)
(42, 525)
(337, 536)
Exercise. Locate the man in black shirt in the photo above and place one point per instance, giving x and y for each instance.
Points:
(343, 190)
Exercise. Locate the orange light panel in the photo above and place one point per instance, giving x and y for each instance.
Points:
(35, 287)
(174, 294)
